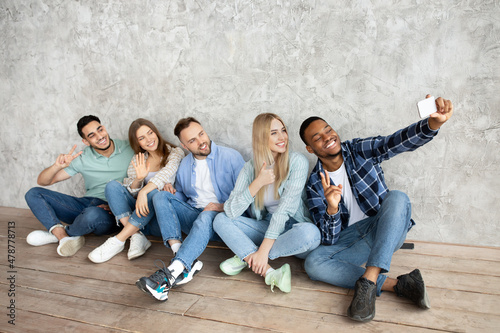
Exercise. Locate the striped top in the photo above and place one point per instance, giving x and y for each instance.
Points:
(292, 196)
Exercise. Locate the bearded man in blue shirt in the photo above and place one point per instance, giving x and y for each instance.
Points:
(360, 220)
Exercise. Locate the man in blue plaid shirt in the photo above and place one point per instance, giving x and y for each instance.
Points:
(360, 220)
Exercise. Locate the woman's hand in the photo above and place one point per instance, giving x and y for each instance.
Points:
(265, 177)
(141, 205)
(169, 188)
(142, 166)
(257, 261)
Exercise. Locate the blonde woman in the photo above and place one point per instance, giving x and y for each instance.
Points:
(151, 170)
(272, 186)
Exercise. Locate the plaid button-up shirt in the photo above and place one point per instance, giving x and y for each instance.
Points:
(362, 158)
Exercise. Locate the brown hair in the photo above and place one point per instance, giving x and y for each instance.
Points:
(183, 124)
(134, 143)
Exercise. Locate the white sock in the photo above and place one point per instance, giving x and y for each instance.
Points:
(176, 267)
(175, 247)
(117, 241)
(269, 270)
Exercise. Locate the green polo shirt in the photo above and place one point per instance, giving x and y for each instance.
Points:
(98, 170)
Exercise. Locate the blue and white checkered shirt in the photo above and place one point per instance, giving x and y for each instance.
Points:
(362, 158)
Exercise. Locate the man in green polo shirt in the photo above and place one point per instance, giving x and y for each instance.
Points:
(102, 161)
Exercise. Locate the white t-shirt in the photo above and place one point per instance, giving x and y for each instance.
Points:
(340, 177)
(149, 176)
(203, 186)
(270, 202)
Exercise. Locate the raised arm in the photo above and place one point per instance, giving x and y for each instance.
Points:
(55, 173)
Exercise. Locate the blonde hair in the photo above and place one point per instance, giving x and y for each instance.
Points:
(261, 132)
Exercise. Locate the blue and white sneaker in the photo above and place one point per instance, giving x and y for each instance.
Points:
(186, 276)
(158, 284)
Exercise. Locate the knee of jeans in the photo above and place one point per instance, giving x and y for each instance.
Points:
(311, 234)
(93, 214)
(311, 265)
(152, 194)
(219, 221)
(32, 193)
(112, 186)
(401, 199)
(398, 196)
(161, 197)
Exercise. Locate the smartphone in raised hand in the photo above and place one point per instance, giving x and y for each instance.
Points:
(426, 107)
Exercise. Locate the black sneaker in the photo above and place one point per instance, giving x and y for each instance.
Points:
(186, 276)
(412, 286)
(158, 284)
(362, 307)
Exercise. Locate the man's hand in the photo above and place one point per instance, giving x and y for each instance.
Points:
(333, 194)
(106, 208)
(444, 112)
(64, 160)
(218, 207)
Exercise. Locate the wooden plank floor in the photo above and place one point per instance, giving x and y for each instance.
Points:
(73, 294)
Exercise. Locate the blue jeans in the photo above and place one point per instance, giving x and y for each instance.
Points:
(243, 235)
(81, 214)
(372, 241)
(122, 204)
(176, 216)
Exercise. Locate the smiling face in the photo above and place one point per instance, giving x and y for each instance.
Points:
(147, 138)
(322, 140)
(194, 139)
(278, 138)
(96, 136)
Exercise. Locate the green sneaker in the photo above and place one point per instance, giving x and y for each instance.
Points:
(282, 278)
(232, 266)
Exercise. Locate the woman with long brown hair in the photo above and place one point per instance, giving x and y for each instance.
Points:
(271, 188)
(152, 169)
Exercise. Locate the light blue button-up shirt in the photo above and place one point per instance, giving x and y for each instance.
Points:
(224, 164)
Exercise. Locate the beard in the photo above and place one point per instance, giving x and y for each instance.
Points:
(103, 149)
(204, 153)
(326, 155)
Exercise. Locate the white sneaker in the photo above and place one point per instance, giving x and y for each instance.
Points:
(138, 245)
(41, 237)
(106, 251)
(68, 246)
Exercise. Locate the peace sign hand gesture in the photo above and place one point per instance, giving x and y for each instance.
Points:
(142, 167)
(64, 160)
(333, 194)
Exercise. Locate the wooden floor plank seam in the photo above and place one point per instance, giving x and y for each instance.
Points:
(80, 321)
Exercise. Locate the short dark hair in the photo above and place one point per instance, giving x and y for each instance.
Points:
(84, 121)
(305, 125)
(183, 124)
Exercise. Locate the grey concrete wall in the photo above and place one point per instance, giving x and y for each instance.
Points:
(362, 65)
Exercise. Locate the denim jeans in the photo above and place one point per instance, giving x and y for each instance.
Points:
(175, 216)
(243, 235)
(122, 204)
(81, 214)
(372, 241)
